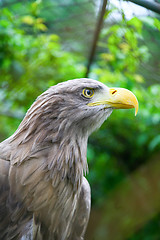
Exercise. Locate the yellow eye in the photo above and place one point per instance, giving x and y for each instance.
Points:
(88, 93)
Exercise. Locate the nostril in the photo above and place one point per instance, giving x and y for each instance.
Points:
(114, 92)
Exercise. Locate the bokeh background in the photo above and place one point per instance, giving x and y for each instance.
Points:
(117, 42)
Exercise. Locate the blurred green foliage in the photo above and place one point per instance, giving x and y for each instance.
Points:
(124, 143)
(29, 64)
(149, 232)
(34, 57)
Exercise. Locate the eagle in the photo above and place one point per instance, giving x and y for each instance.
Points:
(43, 192)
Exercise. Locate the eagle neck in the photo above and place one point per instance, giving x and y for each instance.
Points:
(67, 160)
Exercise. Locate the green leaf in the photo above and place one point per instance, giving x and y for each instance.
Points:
(137, 23)
(28, 20)
(157, 23)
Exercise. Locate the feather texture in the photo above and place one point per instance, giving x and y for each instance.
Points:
(43, 193)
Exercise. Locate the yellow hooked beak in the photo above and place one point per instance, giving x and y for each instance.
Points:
(118, 98)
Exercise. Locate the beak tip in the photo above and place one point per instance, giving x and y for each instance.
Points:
(136, 109)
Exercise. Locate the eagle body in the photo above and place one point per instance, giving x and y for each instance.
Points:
(43, 191)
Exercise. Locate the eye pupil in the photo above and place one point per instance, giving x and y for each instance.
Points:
(88, 92)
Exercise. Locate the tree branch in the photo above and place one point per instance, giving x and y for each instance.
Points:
(153, 6)
(96, 36)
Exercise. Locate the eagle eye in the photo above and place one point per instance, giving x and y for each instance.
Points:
(88, 93)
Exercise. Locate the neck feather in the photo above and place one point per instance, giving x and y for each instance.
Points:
(45, 134)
